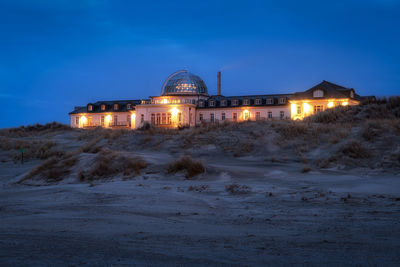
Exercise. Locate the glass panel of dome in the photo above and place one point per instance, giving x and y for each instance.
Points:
(184, 82)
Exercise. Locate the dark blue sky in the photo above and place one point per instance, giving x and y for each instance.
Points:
(55, 54)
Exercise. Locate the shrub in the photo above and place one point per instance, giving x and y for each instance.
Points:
(333, 115)
(291, 130)
(237, 189)
(192, 167)
(305, 169)
(371, 130)
(355, 149)
(109, 163)
(53, 169)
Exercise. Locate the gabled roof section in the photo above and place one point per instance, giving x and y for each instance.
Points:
(96, 107)
(331, 90)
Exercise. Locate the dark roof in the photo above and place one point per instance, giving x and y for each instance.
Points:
(331, 90)
(252, 100)
(109, 106)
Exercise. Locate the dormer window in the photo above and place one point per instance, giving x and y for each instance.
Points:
(318, 93)
(258, 101)
(282, 100)
(103, 107)
(352, 94)
(235, 102)
(223, 103)
(128, 106)
(246, 102)
(90, 108)
(201, 103)
(270, 101)
(211, 103)
(115, 106)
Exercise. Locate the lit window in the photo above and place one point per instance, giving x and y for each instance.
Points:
(282, 114)
(115, 106)
(270, 101)
(282, 100)
(298, 109)
(352, 94)
(163, 118)
(158, 121)
(258, 116)
(269, 114)
(234, 116)
(246, 115)
(258, 101)
(246, 102)
(90, 108)
(223, 116)
(103, 107)
(169, 118)
(318, 93)
(235, 102)
(212, 103)
(318, 108)
(212, 117)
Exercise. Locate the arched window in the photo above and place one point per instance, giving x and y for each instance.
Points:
(318, 93)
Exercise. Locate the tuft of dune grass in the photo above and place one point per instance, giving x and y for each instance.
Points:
(186, 163)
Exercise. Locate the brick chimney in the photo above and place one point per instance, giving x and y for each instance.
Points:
(219, 83)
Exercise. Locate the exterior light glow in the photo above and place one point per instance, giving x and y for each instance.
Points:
(174, 111)
(293, 109)
(306, 108)
(165, 101)
(345, 103)
(330, 105)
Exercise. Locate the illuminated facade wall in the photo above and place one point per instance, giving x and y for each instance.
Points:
(184, 101)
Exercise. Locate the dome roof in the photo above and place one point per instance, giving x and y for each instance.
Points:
(184, 83)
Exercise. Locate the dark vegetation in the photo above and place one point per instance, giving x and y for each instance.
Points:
(109, 164)
(187, 164)
(237, 189)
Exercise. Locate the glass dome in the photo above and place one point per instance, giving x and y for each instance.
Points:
(184, 83)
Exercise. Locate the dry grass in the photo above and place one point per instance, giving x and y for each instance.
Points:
(37, 129)
(236, 189)
(354, 149)
(305, 169)
(54, 169)
(109, 164)
(186, 163)
(371, 129)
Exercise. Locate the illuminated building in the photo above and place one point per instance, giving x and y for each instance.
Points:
(185, 101)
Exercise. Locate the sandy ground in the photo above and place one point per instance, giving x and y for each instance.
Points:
(288, 218)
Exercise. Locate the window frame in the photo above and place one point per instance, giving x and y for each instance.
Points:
(318, 93)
